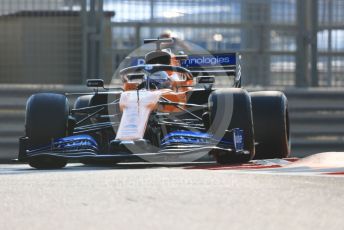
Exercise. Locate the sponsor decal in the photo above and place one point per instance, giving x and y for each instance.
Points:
(198, 60)
(238, 136)
(209, 60)
(137, 61)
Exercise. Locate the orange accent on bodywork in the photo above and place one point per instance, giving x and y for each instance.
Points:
(173, 97)
(180, 86)
(130, 86)
(136, 110)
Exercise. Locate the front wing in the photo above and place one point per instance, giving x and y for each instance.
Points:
(180, 146)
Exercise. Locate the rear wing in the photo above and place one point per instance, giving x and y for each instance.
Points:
(225, 64)
(222, 64)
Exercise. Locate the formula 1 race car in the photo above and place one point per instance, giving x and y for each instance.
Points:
(167, 110)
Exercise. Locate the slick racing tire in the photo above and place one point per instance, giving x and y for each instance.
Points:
(271, 124)
(46, 119)
(82, 102)
(47, 162)
(224, 116)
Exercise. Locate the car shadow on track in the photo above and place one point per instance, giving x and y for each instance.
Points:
(78, 167)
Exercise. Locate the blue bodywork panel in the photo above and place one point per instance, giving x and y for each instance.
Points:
(79, 143)
(76, 142)
(71, 143)
(233, 141)
(186, 137)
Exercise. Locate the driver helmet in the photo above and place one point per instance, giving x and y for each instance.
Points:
(160, 79)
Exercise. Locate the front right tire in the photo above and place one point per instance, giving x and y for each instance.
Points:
(229, 109)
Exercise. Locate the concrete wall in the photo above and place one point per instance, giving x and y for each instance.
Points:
(44, 49)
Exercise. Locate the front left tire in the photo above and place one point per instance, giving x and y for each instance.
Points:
(46, 119)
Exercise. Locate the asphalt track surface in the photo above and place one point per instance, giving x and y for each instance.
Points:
(198, 196)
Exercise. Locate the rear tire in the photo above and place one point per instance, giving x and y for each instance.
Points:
(220, 120)
(271, 124)
(46, 119)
